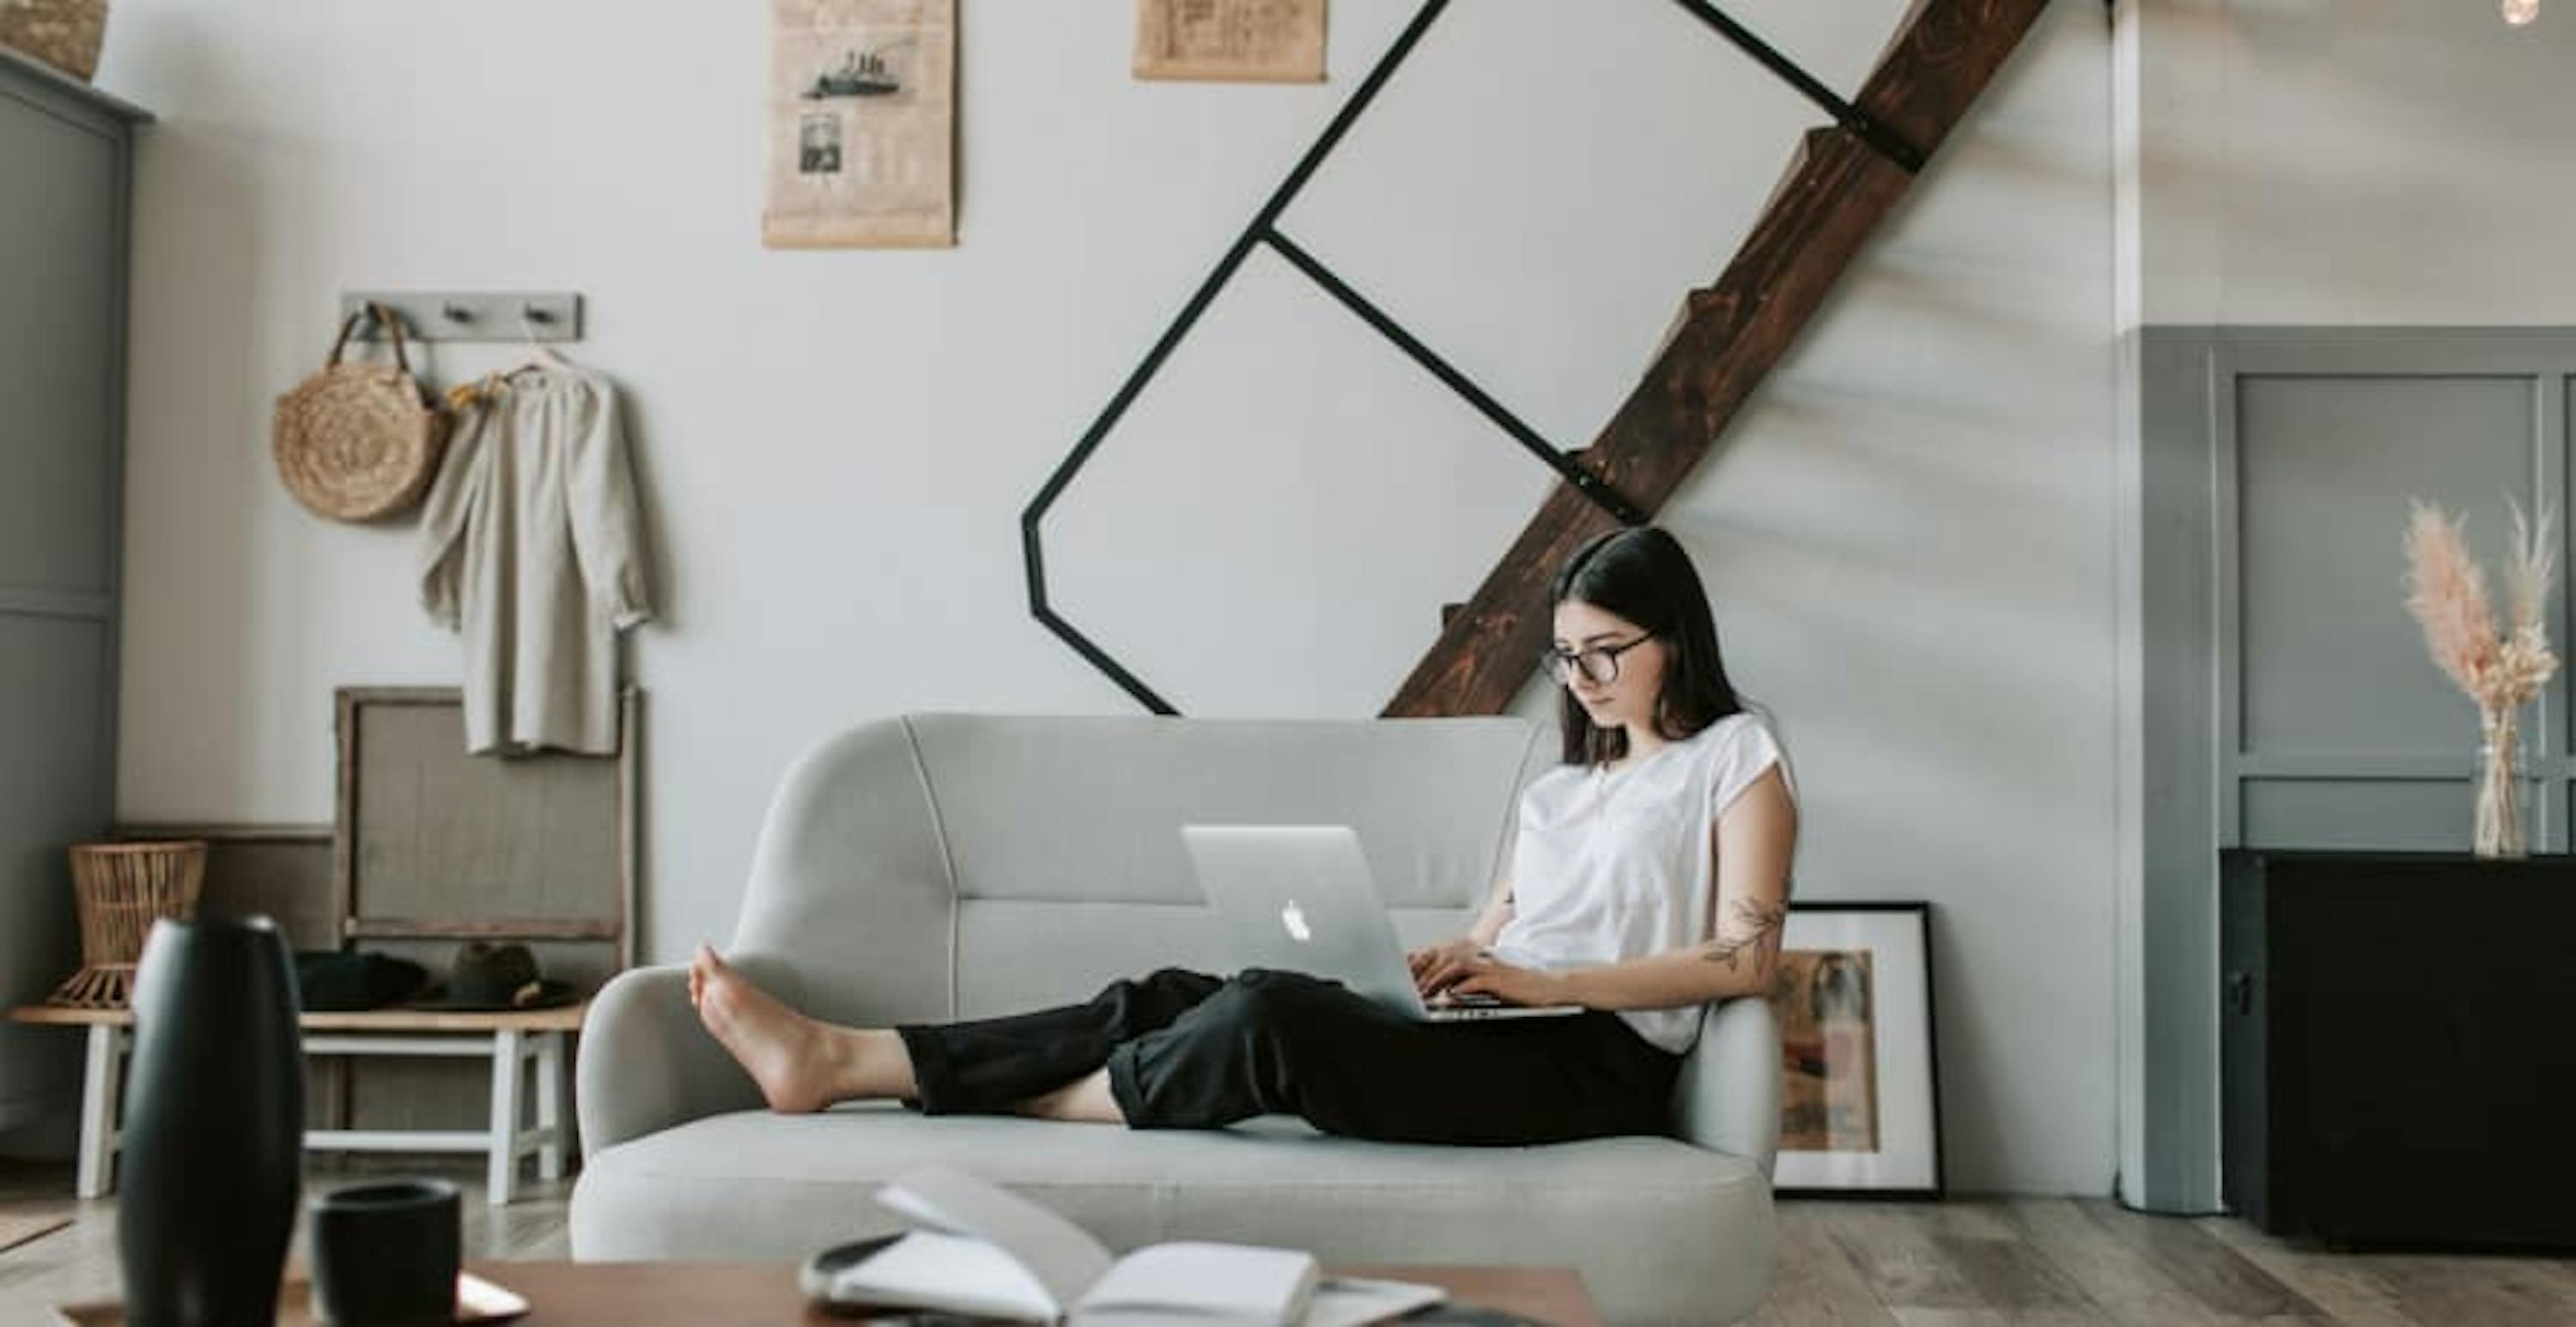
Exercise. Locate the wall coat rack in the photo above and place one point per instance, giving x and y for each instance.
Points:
(515, 316)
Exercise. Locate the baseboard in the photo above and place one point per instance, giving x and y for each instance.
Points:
(41, 1126)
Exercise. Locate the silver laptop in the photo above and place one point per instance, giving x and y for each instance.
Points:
(1299, 898)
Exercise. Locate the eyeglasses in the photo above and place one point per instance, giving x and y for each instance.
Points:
(1600, 663)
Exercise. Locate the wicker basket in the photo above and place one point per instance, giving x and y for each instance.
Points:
(122, 888)
(356, 442)
(66, 34)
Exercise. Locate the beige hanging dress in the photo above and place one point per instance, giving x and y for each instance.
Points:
(533, 550)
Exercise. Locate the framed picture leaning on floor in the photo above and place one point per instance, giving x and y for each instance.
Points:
(1859, 1089)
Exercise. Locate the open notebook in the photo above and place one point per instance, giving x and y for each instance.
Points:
(981, 1250)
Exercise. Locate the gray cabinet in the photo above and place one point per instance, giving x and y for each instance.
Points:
(66, 156)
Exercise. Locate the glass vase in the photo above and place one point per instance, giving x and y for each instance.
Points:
(2498, 830)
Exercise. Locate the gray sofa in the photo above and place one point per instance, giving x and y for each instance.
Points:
(954, 866)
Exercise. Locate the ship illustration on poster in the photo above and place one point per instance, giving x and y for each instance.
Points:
(860, 74)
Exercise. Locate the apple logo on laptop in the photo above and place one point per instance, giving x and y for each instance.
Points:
(1294, 918)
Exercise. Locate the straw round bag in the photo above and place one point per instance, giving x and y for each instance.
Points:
(359, 441)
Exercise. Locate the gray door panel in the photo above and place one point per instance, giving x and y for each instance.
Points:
(65, 155)
(2333, 663)
(59, 249)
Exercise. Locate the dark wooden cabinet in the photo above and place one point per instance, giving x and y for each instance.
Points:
(2398, 1046)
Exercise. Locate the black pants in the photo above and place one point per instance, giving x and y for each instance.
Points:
(1187, 1051)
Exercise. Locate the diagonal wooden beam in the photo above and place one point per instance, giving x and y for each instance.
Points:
(1942, 56)
(1832, 199)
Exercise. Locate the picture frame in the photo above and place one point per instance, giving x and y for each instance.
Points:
(432, 844)
(862, 125)
(1231, 41)
(1860, 1101)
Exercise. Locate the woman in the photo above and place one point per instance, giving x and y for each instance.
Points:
(1650, 876)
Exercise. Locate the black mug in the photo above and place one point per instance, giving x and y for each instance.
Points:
(385, 1255)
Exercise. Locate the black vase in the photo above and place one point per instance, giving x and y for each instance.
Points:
(213, 1155)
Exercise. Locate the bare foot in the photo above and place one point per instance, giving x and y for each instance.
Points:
(792, 1057)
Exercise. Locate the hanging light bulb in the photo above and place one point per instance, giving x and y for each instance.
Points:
(2521, 12)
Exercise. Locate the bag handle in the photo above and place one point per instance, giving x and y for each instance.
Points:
(381, 314)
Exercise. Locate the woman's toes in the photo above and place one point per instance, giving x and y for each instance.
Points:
(773, 1043)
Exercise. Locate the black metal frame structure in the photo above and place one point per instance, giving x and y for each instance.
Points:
(1263, 230)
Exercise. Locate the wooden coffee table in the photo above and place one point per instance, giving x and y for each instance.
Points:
(569, 1294)
(595, 1294)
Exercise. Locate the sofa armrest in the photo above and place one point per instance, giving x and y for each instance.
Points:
(1727, 1098)
(646, 1063)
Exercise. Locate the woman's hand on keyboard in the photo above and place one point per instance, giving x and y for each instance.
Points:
(1443, 965)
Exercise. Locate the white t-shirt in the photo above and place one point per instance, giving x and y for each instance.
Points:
(1616, 866)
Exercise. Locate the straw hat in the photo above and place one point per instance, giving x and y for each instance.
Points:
(359, 441)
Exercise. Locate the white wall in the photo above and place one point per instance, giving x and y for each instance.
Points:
(1907, 536)
(2350, 161)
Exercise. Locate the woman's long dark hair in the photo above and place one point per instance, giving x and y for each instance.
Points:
(1642, 574)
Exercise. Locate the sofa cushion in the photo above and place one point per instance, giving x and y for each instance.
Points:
(757, 1185)
(905, 863)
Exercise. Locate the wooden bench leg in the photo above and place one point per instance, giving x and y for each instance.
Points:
(504, 1168)
(550, 1102)
(102, 1082)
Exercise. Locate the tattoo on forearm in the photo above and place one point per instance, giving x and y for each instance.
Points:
(1754, 938)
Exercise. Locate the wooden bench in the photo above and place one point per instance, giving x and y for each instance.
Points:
(509, 1040)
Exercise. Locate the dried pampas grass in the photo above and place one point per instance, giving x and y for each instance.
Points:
(2500, 666)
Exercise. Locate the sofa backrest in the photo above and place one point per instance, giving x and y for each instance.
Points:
(958, 866)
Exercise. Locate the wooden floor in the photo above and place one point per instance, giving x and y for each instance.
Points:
(1969, 1261)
